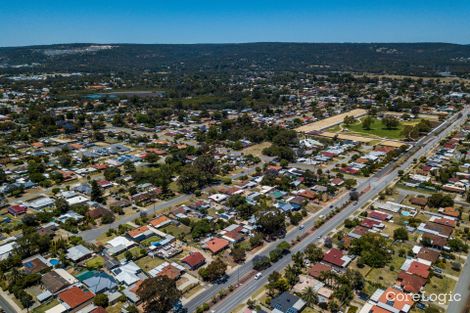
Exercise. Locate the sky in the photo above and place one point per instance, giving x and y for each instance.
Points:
(33, 22)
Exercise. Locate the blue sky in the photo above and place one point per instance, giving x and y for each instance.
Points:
(28, 22)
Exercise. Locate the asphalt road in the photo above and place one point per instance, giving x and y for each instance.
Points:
(377, 183)
(5, 305)
(92, 234)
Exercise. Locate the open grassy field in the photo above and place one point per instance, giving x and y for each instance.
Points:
(378, 129)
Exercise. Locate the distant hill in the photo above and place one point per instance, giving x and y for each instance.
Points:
(397, 58)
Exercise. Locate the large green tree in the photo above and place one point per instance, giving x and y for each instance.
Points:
(158, 294)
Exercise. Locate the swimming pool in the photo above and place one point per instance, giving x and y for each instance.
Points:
(54, 262)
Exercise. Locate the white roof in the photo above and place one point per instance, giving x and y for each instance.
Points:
(77, 200)
(57, 309)
(65, 275)
(120, 240)
(6, 249)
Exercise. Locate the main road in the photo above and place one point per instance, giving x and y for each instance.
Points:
(369, 189)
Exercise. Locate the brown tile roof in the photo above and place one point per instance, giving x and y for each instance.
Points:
(428, 254)
(53, 282)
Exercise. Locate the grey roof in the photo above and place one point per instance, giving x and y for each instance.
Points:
(100, 282)
(78, 252)
(287, 303)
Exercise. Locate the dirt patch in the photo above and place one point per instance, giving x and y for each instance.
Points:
(330, 121)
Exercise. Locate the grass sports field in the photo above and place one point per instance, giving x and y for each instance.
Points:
(378, 129)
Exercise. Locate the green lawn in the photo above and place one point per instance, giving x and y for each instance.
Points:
(95, 263)
(147, 263)
(383, 276)
(151, 239)
(176, 230)
(378, 129)
(46, 306)
(135, 252)
(438, 285)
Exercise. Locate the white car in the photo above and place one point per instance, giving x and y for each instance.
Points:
(301, 227)
(258, 275)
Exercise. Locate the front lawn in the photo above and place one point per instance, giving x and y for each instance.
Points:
(46, 306)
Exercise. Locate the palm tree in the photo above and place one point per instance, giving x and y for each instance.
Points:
(291, 274)
(310, 296)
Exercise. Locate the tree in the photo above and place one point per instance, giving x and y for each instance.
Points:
(348, 120)
(313, 253)
(158, 294)
(62, 205)
(101, 300)
(107, 218)
(271, 223)
(3, 176)
(238, 254)
(367, 122)
(310, 296)
(200, 228)
(390, 122)
(261, 262)
(98, 136)
(214, 271)
(111, 173)
(96, 193)
(291, 273)
(276, 284)
(439, 200)
(400, 234)
(372, 248)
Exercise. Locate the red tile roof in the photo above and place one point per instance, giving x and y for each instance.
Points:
(75, 296)
(411, 283)
(419, 269)
(316, 269)
(215, 245)
(138, 231)
(194, 259)
(368, 223)
(334, 256)
(401, 300)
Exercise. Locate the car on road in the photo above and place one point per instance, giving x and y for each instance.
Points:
(258, 275)
(301, 226)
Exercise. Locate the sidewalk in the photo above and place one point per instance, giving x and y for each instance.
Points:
(8, 304)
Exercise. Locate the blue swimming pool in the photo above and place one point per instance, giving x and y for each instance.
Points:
(54, 262)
